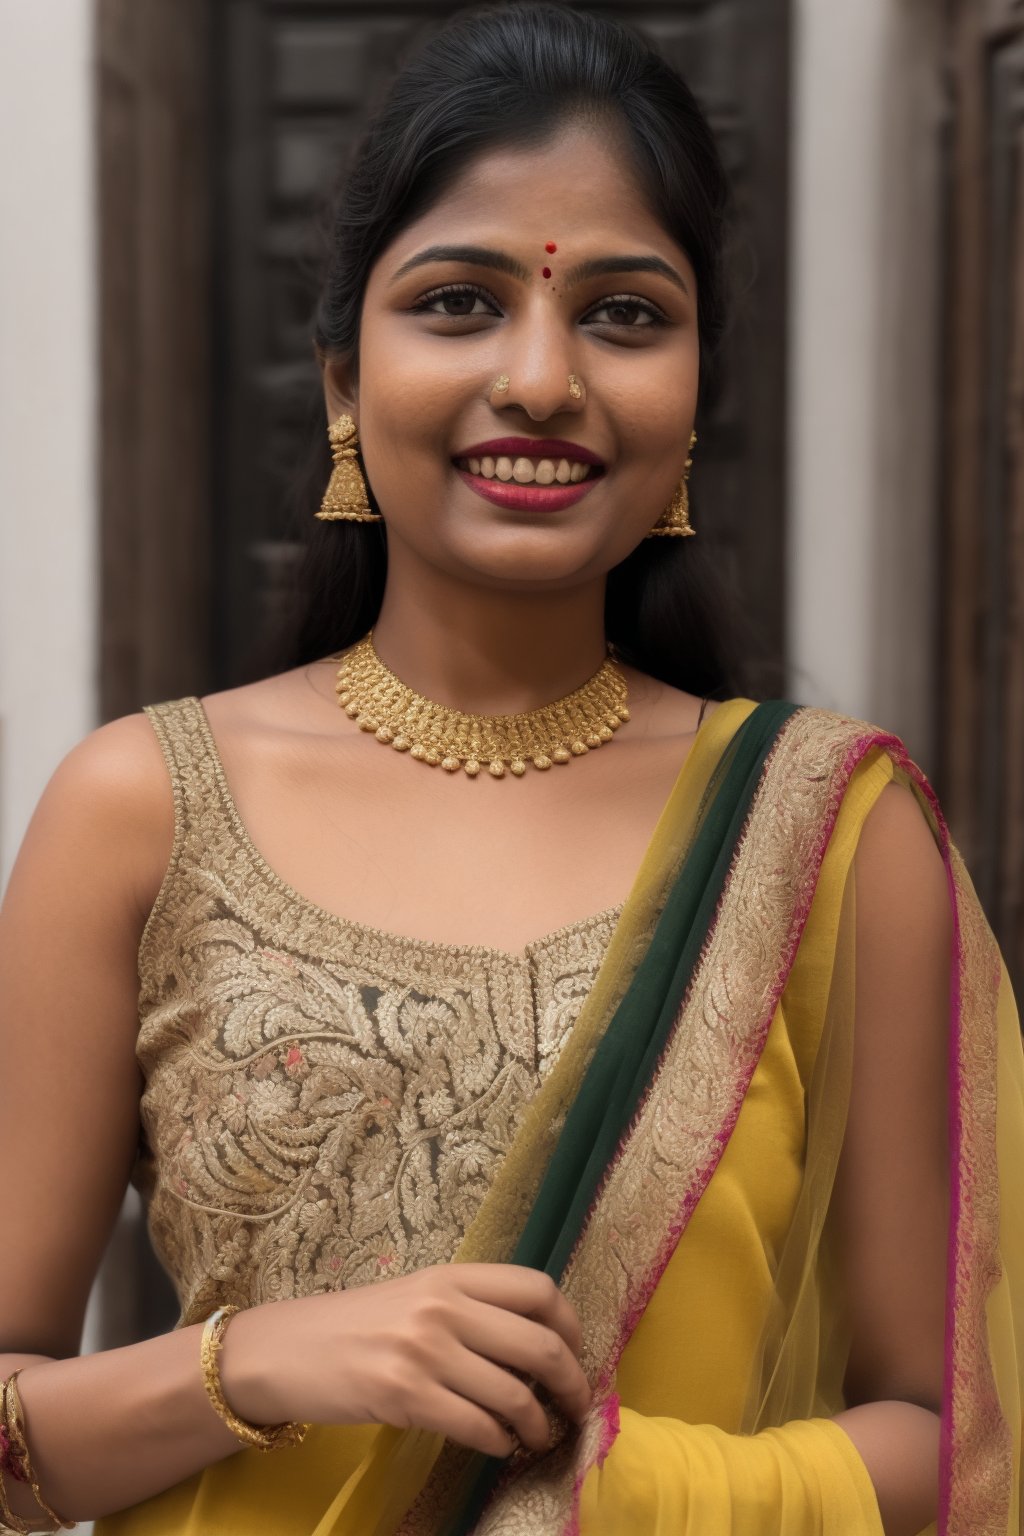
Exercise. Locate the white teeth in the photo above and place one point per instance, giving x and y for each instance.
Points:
(527, 471)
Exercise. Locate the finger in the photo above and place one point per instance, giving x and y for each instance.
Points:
(495, 1389)
(527, 1346)
(458, 1418)
(529, 1292)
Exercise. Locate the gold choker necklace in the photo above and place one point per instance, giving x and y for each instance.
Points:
(372, 695)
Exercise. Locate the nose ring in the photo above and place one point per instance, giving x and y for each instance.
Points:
(576, 391)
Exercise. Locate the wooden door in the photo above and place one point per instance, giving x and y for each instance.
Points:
(153, 101)
(982, 772)
(293, 85)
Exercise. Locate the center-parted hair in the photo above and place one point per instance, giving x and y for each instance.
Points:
(513, 76)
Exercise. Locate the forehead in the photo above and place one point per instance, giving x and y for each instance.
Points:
(580, 190)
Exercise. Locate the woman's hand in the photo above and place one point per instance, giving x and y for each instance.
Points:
(434, 1350)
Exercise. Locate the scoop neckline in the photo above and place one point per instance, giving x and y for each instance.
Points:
(408, 942)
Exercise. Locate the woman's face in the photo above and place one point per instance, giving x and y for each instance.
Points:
(537, 264)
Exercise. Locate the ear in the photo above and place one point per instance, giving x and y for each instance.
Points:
(341, 396)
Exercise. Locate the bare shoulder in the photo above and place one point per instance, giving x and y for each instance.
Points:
(114, 777)
(904, 915)
(108, 808)
(897, 850)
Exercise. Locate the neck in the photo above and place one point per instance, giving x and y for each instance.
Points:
(490, 652)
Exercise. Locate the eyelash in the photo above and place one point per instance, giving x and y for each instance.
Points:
(422, 305)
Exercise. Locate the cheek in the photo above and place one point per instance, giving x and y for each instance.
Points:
(654, 425)
(655, 396)
(399, 423)
(411, 391)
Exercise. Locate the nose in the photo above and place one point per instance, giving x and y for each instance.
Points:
(539, 362)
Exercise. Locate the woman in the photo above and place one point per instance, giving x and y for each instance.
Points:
(716, 1161)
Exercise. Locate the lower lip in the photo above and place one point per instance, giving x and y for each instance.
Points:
(528, 498)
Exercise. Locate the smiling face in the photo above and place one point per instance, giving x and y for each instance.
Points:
(537, 265)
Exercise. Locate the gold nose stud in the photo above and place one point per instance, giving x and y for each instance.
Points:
(576, 391)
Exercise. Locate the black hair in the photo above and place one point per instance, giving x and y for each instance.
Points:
(513, 75)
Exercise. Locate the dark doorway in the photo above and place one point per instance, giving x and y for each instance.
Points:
(982, 692)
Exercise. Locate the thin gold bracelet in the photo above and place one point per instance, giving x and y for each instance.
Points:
(263, 1437)
(14, 1423)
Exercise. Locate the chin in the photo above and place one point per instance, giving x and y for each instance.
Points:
(528, 558)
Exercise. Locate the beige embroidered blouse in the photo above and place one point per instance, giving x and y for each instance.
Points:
(324, 1104)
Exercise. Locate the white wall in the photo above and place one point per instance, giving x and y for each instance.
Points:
(48, 399)
(864, 358)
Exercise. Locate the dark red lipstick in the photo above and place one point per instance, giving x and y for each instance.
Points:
(531, 496)
(527, 498)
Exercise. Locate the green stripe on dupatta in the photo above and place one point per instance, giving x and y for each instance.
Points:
(626, 1060)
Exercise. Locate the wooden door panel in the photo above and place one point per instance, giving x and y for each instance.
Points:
(154, 360)
(982, 772)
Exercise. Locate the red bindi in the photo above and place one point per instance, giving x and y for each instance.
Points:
(545, 272)
(551, 247)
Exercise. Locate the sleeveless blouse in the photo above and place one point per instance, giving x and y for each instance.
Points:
(324, 1103)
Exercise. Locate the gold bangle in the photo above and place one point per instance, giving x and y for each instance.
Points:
(263, 1437)
(14, 1423)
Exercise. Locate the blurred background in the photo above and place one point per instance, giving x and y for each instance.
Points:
(860, 471)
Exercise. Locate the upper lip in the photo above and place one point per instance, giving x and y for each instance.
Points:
(531, 448)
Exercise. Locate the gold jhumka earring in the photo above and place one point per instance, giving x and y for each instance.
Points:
(675, 520)
(345, 499)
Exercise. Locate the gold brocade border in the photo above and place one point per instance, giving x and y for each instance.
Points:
(678, 1135)
(681, 1130)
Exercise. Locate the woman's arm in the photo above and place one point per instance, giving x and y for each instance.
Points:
(113, 1428)
(87, 872)
(892, 1191)
(875, 1465)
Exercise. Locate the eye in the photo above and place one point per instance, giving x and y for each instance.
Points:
(456, 301)
(627, 311)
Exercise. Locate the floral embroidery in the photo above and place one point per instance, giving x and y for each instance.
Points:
(324, 1104)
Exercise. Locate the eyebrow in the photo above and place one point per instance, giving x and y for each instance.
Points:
(500, 261)
(606, 266)
(469, 255)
